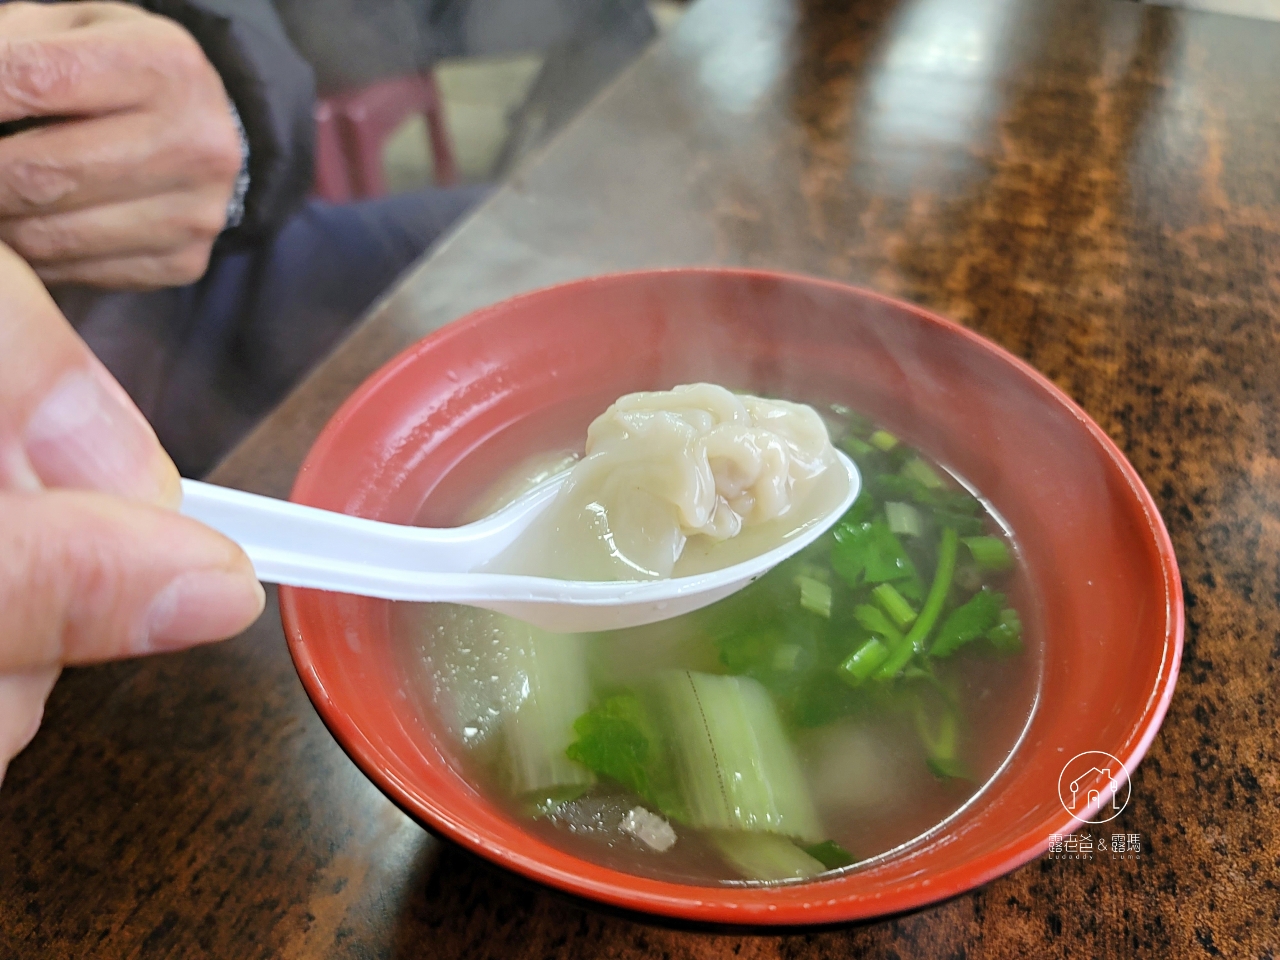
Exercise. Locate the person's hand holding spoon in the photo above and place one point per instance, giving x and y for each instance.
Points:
(95, 562)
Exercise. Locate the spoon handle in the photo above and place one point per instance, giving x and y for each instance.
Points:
(307, 547)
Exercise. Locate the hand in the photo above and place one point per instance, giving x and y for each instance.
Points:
(94, 563)
(125, 184)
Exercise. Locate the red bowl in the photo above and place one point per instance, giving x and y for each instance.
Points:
(1097, 554)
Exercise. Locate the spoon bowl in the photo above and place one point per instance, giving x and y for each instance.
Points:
(300, 546)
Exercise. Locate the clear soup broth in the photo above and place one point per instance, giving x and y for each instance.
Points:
(845, 704)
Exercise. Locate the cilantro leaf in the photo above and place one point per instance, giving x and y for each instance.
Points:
(963, 524)
(831, 855)
(870, 552)
(968, 622)
(614, 741)
(750, 652)
(948, 768)
(862, 511)
(1006, 636)
(912, 588)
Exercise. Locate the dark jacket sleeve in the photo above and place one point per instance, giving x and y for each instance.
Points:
(274, 91)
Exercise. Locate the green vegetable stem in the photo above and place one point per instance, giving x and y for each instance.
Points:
(914, 641)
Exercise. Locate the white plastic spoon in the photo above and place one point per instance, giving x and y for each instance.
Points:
(306, 547)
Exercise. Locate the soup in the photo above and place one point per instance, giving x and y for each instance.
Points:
(841, 706)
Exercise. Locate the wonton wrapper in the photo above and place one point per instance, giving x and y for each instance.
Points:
(684, 468)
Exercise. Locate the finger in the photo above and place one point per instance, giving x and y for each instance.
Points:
(22, 697)
(110, 57)
(75, 164)
(79, 163)
(145, 272)
(23, 19)
(86, 577)
(151, 226)
(64, 422)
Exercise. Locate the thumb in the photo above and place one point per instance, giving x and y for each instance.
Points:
(64, 422)
(87, 577)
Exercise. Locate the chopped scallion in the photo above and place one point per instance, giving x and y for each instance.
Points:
(873, 619)
(990, 553)
(894, 604)
(898, 658)
(917, 469)
(903, 518)
(883, 439)
(814, 596)
(786, 658)
(863, 661)
(816, 572)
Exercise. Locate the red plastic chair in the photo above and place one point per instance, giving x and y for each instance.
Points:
(332, 182)
(352, 130)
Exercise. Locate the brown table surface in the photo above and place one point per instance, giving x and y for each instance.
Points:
(1094, 185)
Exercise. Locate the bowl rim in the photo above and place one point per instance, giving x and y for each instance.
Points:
(702, 904)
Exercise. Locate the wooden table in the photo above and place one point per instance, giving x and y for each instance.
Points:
(1093, 184)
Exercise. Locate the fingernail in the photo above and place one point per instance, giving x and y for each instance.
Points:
(87, 436)
(200, 606)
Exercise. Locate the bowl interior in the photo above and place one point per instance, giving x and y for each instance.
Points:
(1096, 552)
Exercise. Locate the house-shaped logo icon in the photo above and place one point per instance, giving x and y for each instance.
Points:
(1094, 787)
(1107, 788)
